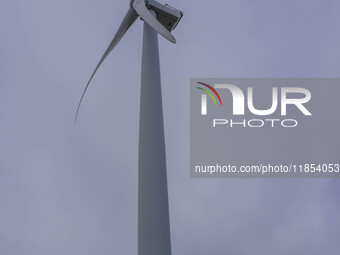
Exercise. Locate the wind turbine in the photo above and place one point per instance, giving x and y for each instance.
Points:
(153, 206)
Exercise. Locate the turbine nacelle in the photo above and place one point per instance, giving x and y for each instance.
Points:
(167, 15)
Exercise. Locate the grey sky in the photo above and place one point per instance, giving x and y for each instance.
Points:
(72, 189)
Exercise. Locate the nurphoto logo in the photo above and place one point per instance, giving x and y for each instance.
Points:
(288, 97)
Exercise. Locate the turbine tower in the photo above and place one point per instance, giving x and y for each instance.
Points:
(153, 206)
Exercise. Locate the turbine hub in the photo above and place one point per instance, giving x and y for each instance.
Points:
(131, 2)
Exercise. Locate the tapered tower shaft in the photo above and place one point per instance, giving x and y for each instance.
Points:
(153, 208)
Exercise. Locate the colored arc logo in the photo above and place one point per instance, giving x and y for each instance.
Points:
(209, 93)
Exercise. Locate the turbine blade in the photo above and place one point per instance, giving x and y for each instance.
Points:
(142, 10)
(129, 19)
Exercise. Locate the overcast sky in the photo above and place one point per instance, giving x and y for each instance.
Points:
(72, 189)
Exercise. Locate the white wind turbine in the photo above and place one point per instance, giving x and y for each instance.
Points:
(153, 206)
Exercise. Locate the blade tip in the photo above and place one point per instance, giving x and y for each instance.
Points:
(173, 40)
